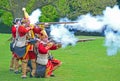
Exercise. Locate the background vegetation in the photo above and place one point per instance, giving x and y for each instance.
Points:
(52, 10)
(86, 61)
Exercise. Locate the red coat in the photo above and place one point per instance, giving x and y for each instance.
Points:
(23, 30)
(54, 47)
(13, 30)
(42, 49)
(37, 30)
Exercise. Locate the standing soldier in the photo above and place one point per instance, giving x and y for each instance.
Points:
(24, 45)
(21, 46)
(14, 65)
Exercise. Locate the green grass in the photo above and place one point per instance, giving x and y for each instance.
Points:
(86, 61)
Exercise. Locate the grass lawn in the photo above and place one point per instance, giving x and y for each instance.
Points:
(86, 61)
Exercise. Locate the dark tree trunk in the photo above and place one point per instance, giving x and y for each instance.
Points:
(17, 13)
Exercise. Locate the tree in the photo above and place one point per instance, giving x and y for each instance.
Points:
(15, 6)
(62, 7)
(73, 8)
(49, 13)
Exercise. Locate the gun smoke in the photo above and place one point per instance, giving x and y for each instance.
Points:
(61, 34)
(108, 23)
(34, 17)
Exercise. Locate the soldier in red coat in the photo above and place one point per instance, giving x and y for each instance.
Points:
(22, 47)
(25, 34)
(55, 63)
(13, 31)
(42, 58)
(46, 64)
(14, 65)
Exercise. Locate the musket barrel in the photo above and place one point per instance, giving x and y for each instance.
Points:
(57, 23)
(84, 40)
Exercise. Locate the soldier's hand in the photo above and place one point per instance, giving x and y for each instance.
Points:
(49, 45)
(59, 45)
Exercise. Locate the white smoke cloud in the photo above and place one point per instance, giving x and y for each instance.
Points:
(60, 34)
(34, 17)
(112, 42)
(111, 17)
(112, 33)
(89, 23)
(108, 22)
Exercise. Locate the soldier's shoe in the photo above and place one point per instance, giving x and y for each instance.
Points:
(52, 75)
(37, 76)
(17, 72)
(23, 76)
(11, 69)
(31, 75)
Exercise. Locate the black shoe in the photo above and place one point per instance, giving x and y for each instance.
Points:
(16, 72)
(37, 76)
(52, 75)
(31, 76)
(11, 70)
(24, 77)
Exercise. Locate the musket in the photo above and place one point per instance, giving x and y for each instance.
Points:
(49, 23)
(10, 39)
(84, 40)
(80, 40)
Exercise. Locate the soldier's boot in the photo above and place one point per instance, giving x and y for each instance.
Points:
(16, 63)
(24, 68)
(33, 62)
(12, 64)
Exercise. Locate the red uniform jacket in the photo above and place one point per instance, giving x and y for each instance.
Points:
(23, 30)
(37, 30)
(13, 30)
(54, 47)
(44, 50)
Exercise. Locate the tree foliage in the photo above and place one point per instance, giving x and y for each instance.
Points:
(15, 6)
(62, 7)
(52, 10)
(1, 12)
(7, 18)
(74, 8)
(49, 13)
(79, 7)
